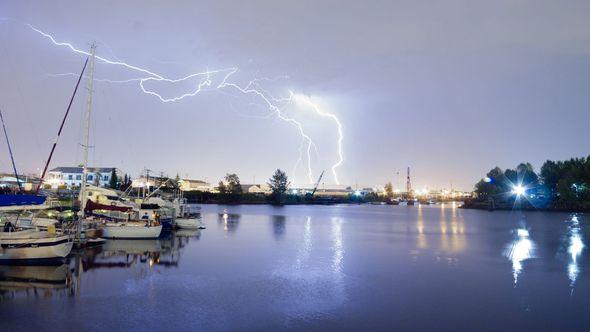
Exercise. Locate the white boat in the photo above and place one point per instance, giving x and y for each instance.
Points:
(22, 246)
(130, 230)
(188, 223)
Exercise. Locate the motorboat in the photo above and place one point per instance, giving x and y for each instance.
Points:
(131, 230)
(188, 223)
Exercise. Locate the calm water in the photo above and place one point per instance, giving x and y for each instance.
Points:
(321, 267)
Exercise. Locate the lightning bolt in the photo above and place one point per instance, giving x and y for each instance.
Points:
(205, 80)
(302, 99)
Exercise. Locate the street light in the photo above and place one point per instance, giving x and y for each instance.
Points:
(518, 190)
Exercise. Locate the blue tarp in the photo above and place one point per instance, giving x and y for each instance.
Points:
(17, 199)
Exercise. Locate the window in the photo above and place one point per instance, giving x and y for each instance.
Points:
(78, 177)
(105, 177)
(90, 177)
(70, 177)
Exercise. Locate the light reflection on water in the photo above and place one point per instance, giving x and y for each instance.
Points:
(452, 239)
(519, 250)
(575, 248)
(305, 247)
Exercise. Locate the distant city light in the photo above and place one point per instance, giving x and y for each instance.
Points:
(357, 192)
(519, 190)
(487, 179)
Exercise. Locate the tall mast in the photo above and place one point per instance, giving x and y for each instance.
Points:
(87, 133)
(10, 151)
(61, 127)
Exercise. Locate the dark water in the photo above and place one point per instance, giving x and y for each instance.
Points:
(321, 268)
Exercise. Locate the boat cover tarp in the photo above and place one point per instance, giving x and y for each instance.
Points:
(21, 199)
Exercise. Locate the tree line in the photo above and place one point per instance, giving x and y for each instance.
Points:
(560, 185)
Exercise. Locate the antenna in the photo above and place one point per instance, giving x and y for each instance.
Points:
(408, 183)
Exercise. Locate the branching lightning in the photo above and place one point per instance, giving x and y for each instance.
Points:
(205, 80)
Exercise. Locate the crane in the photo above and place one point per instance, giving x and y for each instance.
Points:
(316, 185)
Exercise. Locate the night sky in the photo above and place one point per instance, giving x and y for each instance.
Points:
(450, 88)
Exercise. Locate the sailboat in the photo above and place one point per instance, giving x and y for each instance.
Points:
(19, 245)
(110, 230)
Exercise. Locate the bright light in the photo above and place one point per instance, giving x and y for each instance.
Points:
(357, 193)
(294, 191)
(487, 179)
(519, 190)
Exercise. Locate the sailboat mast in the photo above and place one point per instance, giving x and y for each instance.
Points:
(10, 151)
(87, 132)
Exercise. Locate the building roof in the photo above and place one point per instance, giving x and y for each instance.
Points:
(189, 181)
(79, 169)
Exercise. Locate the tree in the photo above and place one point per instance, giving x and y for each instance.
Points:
(230, 189)
(222, 189)
(233, 184)
(125, 183)
(278, 184)
(113, 182)
(389, 190)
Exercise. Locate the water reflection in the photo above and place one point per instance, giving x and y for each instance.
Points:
(338, 259)
(519, 250)
(452, 232)
(278, 226)
(422, 244)
(140, 256)
(229, 221)
(36, 281)
(575, 245)
(305, 247)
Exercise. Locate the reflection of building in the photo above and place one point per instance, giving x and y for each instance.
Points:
(72, 176)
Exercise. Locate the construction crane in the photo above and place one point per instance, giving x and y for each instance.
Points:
(316, 185)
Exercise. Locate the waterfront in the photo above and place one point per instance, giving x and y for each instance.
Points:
(321, 267)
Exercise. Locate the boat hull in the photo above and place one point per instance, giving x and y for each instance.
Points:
(131, 232)
(187, 223)
(38, 250)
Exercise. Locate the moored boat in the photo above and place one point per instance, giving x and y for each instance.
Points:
(188, 223)
(33, 246)
(131, 230)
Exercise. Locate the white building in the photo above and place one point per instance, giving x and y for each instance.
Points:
(195, 185)
(257, 189)
(72, 176)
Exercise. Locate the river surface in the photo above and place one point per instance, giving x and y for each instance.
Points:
(348, 267)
